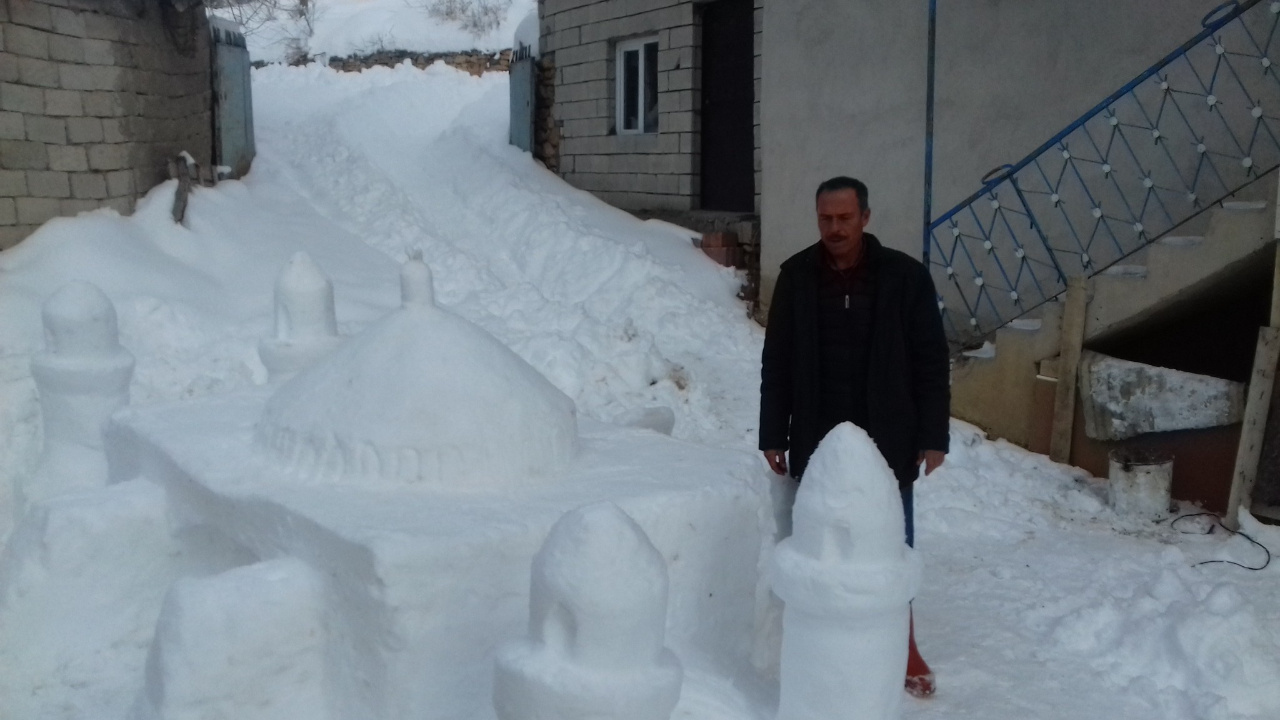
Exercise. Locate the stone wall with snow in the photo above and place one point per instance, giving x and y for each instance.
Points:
(97, 95)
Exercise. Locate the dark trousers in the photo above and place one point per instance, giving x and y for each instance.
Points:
(908, 513)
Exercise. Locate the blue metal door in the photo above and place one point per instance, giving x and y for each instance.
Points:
(523, 86)
(233, 143)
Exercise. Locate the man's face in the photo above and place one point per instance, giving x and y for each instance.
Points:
(840, 221)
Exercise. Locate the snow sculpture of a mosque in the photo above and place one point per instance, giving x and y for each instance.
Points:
(355, 539)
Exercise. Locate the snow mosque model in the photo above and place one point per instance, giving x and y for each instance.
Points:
(847, 577)
(596, 637)
(355, 541)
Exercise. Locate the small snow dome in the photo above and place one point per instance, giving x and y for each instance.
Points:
(422, 396)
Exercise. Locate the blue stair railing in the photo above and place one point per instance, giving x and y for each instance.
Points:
(1194, 128)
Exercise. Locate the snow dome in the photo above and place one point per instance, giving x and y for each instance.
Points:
(425, 396)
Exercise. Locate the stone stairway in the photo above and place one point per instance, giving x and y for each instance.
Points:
(994, 386)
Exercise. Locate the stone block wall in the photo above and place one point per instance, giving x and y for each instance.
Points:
(95, 96)
(647, 171)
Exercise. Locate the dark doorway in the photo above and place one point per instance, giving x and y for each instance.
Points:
(728, 96)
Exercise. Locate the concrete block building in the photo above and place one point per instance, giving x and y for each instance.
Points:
(656, 102)
(95, 96)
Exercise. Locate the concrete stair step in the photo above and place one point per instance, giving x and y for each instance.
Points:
(1136, 272)
(1244, 205)
(1180, 240)
(986, 352)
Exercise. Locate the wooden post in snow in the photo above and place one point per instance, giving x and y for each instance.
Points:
(1257, 404)
(1257, 407)
(1064, 399)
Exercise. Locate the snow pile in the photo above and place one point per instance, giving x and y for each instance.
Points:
(361, 27)
(1072, 595)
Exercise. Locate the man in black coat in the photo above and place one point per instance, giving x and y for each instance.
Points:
(855, 335)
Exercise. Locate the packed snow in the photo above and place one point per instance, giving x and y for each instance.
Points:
(1037, 598)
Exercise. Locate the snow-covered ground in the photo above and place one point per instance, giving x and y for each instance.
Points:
(1037, 600)
(356, 27)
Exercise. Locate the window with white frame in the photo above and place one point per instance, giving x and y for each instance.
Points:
(637, 86)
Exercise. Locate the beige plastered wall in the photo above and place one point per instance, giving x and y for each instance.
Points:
(844, 91)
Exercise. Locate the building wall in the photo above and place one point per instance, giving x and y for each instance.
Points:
(1010, 74)
(636, 172)
(95, 96)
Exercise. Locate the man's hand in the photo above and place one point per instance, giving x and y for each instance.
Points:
(931, 459)
(777, 460)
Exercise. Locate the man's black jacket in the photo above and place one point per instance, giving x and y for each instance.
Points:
(908, 388)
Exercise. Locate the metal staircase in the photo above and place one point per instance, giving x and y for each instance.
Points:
(1195, 128)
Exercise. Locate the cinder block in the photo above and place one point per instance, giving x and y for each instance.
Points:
(48, 184)
(68, 158)
(67, 22)
(77, 206)
(11, 127)
(106, 77)
(8, 67)
(36, 211)
(719, 240)
(103, 27)
(23, 155)
(10, 236)
(46, 129)
(108, 157)
(98, 52)
(8, 211)
(30, 13)
(120, 183)
(122, 205)
(64, 103)
(86, 130)
(66, 49)
(728, 257)
(89, 186)
(13, 183)
(26, 41)
(20, 98)
(76, 77)
(109, 104)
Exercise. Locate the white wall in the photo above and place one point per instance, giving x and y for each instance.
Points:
(844, 94)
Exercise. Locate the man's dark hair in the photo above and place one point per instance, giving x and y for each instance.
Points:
(845, 183)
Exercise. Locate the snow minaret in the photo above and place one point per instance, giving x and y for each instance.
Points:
(83, 377)
(597, 627)
(847, 576)
(306, 327)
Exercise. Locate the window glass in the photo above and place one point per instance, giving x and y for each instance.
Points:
(631, 90)
(651, 87)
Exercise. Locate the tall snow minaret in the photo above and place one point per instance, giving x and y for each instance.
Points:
(306, 327)
(597, 627)
(847, 577)
(83, 377)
